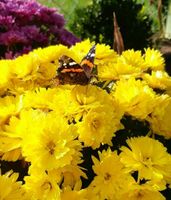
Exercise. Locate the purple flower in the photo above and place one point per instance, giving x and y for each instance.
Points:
(26, 24)
(67, 38)
(12, 37)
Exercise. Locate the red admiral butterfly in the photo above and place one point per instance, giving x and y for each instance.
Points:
(73, 73)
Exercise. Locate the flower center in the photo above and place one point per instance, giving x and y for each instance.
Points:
(147, 161)
(95, 124)
(139, 195)
(46, 186)
(107, 176)
(51, 147)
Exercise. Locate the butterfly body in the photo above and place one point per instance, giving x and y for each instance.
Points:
(70, 72)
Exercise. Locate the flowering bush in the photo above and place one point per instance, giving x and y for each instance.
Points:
(81, 141)
(26, 24)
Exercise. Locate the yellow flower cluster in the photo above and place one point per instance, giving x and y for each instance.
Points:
(54, 129)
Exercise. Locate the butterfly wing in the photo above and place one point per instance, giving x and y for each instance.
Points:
(87, 62)
(71, 72)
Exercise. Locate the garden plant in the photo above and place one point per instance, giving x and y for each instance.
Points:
(78, 120)
(101, 139)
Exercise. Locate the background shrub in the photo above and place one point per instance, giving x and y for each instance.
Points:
(96, 22)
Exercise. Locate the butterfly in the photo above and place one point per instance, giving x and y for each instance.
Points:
(70, 72)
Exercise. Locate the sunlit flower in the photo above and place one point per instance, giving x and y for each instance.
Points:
(104, 55)
(25, 66)
(79, 50)
(126, 71)
(147, 156)
(98, 126)
(68, 193)
(10, 188)
(51, 126)
(10, 147)
(129, 64)
(53, 143)
(141, 192)
(5, 74)
(42, 186)
(85, 98)
(132, 58)
(49, 99)
(9, 106)
(18, 129)
(107, 72)
(158, 79)
(49, 54)
(159, 118)
(71, 175)
(136, 97)
(154, 59)
(110, 178)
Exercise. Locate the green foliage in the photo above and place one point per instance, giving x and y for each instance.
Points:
(49, 3)
(66, 7)
(150, 8)
(96, 22)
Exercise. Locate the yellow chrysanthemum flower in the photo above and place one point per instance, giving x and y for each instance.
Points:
(5, 74)
(50, 99)
(154, 59)
(42, 186)
(107, 72)
(85, 98)
(10, 148)
(49, 54)
(49, 63)
(67, 193)
(47, 124)
(141, 192)
(116, 71)
(34, 69)
(47, 71)
(18, 129)
(147, 156)
(53, 142)
(24, 67)
(41, 99)
(110, 178)
(104, 55)
(71, 176)
(9, 106)
(135, 96)
(158, 79)
(129, 64)
(81, 49)
(10, 188)
(98, 126)
(159, 118)
(126, 71)
(132, 58)
(19, 87)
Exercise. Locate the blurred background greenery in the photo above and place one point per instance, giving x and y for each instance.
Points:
(138, 19)
(66, 7)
